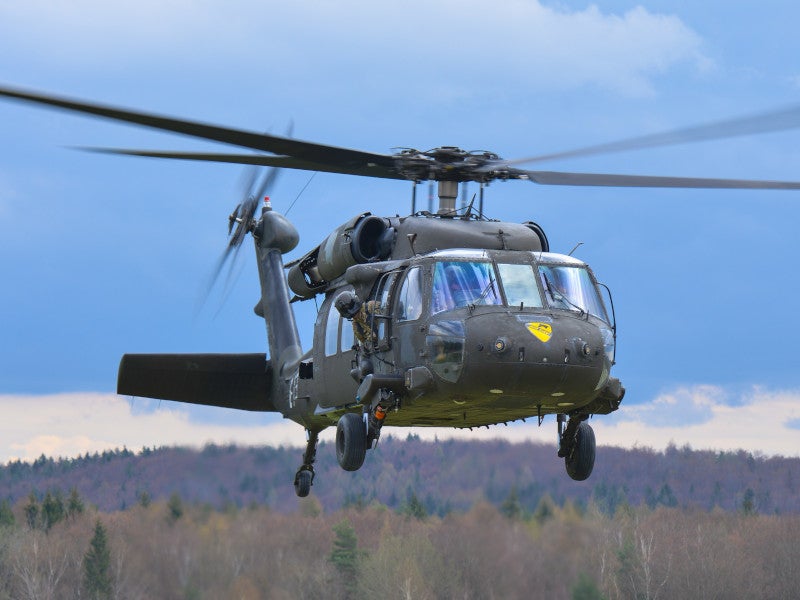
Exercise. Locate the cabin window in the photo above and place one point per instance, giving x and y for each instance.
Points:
(457, 283)
(332, 330)
(409, 301)
(348, 337)
(571, 288)
(519, 285)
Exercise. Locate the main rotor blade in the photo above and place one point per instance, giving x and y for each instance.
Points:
(285, 162)
(650, 181)
(342, 158)
(777, 120)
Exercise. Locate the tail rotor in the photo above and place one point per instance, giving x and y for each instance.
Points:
(242, 219)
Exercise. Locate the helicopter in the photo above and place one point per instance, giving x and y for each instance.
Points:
(440, 318)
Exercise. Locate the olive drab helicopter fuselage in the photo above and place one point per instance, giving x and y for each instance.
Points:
(444, 319)
(459, 337)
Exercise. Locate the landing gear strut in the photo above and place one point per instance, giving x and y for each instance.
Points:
(576, 445)
(304, 478)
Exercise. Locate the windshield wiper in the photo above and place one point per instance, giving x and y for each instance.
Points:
(489, 286)
(559, 296)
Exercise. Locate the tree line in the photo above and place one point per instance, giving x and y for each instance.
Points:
(445, 476)
(176, 549)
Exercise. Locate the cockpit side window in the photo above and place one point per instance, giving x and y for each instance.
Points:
(409, 300)
(380, 314)
(459, 283)
(381, 294)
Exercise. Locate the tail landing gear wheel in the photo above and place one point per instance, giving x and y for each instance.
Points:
(302, 483)
(580, 461)
(351, 441)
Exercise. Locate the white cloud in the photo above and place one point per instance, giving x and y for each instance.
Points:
(444, 48)
(758, 420)
(75, 423)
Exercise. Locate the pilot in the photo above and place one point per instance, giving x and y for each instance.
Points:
(458, 295)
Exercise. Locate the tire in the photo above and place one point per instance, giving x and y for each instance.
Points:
(302, 483)
(351, 442)
(580, 462)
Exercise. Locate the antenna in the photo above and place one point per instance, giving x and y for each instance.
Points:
(578, 245)
(468, 212)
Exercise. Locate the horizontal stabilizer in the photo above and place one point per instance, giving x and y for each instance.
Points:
(242, 381)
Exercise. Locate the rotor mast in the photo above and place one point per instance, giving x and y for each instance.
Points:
(448, 192)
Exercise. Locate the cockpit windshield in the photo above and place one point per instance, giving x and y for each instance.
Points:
(570, 287)
(459, 283)
(567, 285)
(519, 284)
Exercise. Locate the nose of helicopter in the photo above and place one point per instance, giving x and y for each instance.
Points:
(549, 360)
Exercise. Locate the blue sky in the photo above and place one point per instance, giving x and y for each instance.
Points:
(103, 255)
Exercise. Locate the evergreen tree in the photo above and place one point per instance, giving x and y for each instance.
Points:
(52, 509)
(414, 507)
(175, 506)
(6, 515)
(144, 499)
(667, 497)
(511, 506)
(749, 502)
(345, 555)
(585, 589)
(97, 565)
(32, 511)
(74, 504)
(545, 510)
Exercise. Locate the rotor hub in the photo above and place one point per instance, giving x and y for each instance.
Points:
(448, 163)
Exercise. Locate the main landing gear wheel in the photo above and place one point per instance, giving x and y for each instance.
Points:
(580, 461)
(351, 441)
(302, 482)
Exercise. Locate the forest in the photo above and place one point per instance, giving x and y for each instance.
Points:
(447, 476)
(422, 519)
(169, 549)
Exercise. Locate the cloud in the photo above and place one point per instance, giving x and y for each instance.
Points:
(682, 406)
(715, 419)
(443, 49)
(71, 424)
(758, 420)
(75, 423)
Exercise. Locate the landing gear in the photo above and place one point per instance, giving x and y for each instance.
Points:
(302, 482)
(304, 478)
(576, 446)
(351, 441)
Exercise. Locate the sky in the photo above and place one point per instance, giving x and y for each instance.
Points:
(103, 255)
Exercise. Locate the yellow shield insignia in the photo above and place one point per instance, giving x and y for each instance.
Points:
(543, 331)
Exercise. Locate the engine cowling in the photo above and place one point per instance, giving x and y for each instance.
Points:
(364, 238)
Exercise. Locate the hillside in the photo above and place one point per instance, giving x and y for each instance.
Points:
(444, 476)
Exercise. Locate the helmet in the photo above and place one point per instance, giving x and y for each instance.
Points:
(348, 304)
